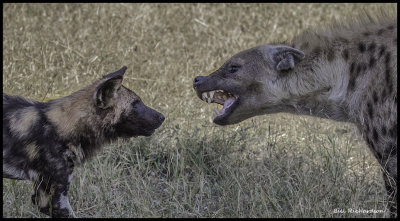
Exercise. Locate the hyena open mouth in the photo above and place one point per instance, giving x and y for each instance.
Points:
(228, 102)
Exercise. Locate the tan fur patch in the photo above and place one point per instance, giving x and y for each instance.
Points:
(66, 112)
(32, 150)
(22, 120)
(43, 199)
(76, 153)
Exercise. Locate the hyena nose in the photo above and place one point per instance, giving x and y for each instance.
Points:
(161, 118)
(198, 80)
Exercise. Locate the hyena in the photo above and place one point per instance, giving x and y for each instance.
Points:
(344, 73)
(42, 142)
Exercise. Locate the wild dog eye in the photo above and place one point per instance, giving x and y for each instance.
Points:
(234, 68)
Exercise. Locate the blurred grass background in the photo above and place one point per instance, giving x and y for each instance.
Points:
(269, 166)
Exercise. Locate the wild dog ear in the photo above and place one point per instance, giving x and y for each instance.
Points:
(282, 57)
(106, 91)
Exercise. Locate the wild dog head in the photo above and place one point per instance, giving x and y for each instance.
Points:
(134, 118)
(104, 110)
(248, 84)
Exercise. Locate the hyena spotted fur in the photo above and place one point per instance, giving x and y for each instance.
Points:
(344, 73)
(43, 142)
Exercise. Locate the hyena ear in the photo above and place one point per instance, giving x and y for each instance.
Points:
(282, 57)
(105, 93)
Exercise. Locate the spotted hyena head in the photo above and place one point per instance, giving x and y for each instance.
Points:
(124, 109)
(250, 83)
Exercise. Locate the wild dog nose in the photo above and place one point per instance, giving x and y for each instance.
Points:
(198, 80)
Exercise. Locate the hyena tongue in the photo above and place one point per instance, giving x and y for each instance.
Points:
(228, 102)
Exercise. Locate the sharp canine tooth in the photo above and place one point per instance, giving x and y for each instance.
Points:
(208, 100)
(205, 94)
(211, 94)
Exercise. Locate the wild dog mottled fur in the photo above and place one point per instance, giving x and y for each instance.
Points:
(43, 142)
(344, 73)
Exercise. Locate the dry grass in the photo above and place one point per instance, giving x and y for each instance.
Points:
(269, 166)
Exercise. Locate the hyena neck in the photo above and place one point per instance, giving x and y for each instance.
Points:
(318, 85)
(348, 62)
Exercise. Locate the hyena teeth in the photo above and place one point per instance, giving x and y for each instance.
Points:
(205, 95)
(208, 100)
(212, 94)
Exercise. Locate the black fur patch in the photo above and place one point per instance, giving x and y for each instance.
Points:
(374, 97)
(372, 62)
(383, 95)
(304, 46)
(345, 54)
(380, 31)
(330, 54)
(387, 75)
(387, 59)
(370, 110)
(367, 33)
(384, 130)
(358, 69)
(391, 149)
(393, 130)
(361, 47)
(390, 87)
(382, 50)
(371, 47)
(255, 88)
(375, 135)
(343, 40)
(352, 83)
(352, 65)
(317, 50)
(363, 67)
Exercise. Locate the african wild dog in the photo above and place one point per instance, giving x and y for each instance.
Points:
(344, 73)
(43, 142)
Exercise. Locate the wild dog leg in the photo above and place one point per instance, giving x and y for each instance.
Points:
(390, 184)
(60, 202)
(41, 194)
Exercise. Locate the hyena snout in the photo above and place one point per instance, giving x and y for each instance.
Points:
(198, 81)
(202, 84)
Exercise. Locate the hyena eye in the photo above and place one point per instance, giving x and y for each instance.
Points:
(234, 68)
